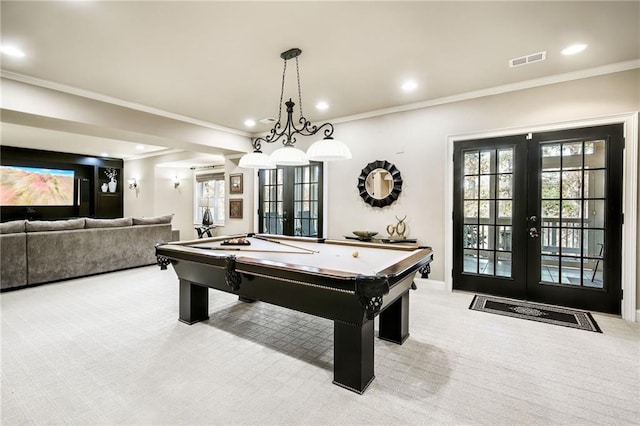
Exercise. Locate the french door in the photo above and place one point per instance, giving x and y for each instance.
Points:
(539, 217)
(290, 200)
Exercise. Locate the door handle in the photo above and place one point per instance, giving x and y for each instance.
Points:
(533, 232)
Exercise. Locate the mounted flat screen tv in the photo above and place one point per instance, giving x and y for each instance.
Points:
(31, 186)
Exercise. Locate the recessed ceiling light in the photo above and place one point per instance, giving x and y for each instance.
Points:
(249, 122)
(409, 86)
(140, 147)
(322, 106)
(104, 154)
(12, 51)
(573, 49)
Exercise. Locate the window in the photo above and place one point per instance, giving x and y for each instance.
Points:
(210, 193)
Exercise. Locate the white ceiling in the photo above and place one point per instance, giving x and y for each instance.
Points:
(219, 62)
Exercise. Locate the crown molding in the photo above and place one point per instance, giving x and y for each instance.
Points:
(115, 101)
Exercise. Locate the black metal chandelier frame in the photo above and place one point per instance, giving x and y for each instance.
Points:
(289, 130)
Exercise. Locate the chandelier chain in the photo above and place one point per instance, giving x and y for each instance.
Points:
(299, 89)
(284, 73)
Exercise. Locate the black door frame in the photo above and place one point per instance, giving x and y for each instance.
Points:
(514, 286)
(630, 122)
(609, 300)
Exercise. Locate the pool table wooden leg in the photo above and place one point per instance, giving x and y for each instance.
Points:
(353, 355)
(394, 321)
(194, 302)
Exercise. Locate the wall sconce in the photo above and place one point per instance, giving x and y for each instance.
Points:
(133, 183)
(176, 182)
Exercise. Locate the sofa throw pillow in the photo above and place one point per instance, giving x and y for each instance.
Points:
(55, 225)
(12, 227)
(108, 223)
(153, 220)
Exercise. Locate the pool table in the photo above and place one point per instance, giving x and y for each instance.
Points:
(345, 281)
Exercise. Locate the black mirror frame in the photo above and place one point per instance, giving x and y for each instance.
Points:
(397, 183)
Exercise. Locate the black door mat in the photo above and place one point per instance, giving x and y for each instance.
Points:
(535, 312)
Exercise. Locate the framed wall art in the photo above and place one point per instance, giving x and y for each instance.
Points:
(235, 184)
(235, 208)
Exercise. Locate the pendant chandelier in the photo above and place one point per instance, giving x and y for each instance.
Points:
(326, 149)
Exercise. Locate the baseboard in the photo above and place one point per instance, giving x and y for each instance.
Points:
(430, 284)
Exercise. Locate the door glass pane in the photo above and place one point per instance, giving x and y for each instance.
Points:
(572, 184)
(486, 262)
(487, 161)
(486, 237)
(570, 271)
(471, 162)
(594, 181)
(503, 264)
(595, 154)
(592, 272)
(550, 240)
(571, 213)
(550, 157)
(504, 211)
(470, 263)
(470, 236)
(488, 203)
(470, 209)
(550, 212)
(594, 213)
(505, 160)
(572, 209)
(549, 269)
(486, 187)
(593, 242)
(504, 238)
(471, 187)
(504, 186)
(486, 210)
(550, 185)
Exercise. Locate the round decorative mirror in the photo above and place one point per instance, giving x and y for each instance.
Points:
(380, 183)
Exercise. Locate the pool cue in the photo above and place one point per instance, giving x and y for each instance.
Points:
(249, 249)
(284, 244)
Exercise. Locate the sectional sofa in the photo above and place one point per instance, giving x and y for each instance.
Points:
(35, 252)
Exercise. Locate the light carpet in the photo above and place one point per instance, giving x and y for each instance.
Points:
(109, 349)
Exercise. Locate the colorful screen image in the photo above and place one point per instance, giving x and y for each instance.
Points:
(30, 186)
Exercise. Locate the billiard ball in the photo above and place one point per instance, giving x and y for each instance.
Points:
(355, 253)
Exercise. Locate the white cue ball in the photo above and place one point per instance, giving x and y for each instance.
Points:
(355, 253)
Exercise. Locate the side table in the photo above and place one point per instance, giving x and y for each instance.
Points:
(203, 230)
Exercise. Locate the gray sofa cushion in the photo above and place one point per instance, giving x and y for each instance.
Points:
(13, 262)
(108, 223)
(59, 255)
(12, 227)
(55, 225)
(153, 220)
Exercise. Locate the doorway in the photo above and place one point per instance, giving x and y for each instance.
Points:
(290, 200)
(539, 217)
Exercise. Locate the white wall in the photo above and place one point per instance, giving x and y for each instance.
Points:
(416, 142)
(244, 225)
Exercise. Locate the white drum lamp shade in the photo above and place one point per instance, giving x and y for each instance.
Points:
(328, 149)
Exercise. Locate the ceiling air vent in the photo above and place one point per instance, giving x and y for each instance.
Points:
(268, 120)
(529, 59)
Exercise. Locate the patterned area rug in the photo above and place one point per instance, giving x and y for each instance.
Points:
(535, 312)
